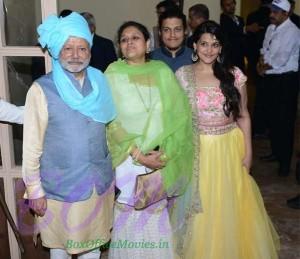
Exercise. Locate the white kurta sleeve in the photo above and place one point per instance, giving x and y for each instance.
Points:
(35, 125)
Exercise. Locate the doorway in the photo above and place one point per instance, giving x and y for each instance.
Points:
(18, 53)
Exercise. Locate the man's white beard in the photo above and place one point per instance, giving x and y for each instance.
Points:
(75, 68)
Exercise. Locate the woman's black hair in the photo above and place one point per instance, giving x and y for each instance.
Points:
(138, 26)
(222, 68)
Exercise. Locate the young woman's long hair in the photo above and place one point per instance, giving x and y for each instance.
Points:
(222, 68)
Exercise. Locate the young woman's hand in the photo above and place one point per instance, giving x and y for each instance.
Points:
(247, 162)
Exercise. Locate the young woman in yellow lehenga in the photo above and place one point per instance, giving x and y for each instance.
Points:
(234, 223)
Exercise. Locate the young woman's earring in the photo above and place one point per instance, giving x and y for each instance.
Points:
(219, 59)
(195, 56)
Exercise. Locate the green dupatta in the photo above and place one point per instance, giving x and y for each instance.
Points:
(175, 137)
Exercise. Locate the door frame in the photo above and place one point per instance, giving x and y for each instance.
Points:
(9, 171)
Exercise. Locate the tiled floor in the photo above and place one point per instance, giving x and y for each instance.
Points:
(276, 191)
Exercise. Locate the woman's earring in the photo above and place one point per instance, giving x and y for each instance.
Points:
(219, 59)
(195, 56)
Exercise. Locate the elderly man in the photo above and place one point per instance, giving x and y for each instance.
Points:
(279, 66)
(66, 165)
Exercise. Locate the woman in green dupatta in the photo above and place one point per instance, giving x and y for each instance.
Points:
(153, 130)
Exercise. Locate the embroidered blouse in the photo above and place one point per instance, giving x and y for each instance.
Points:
(208, 100)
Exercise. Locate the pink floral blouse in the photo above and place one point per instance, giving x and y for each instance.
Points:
(208, 100)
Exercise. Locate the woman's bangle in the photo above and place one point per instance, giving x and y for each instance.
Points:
(132, 147)
(135, 155)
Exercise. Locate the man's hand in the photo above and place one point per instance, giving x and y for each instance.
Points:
(39, 206)
(262, 67)
(254, 27)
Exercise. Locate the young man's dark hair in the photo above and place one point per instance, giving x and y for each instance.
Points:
(172, 13)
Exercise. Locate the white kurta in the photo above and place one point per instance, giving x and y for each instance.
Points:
(76, 227)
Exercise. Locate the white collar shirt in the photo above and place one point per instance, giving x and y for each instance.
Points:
(281, 47)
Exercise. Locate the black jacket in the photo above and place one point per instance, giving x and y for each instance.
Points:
(236, 38)
(103, 53)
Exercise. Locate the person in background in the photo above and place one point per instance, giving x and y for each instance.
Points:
(103, 50)
(149, 133)
(234, 223)
(11, 113)
(173, 30)
(67, 168)
(65, 12)
(295, 201)
(161, 7)
(256, 25)
(233, 26)
(176, 2)
(198, 14)
(279, 65)
(295, 18)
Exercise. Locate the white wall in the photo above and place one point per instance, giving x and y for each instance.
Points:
(111, 14)
(297, 9)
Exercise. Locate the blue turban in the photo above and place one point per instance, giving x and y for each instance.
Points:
(54, 32)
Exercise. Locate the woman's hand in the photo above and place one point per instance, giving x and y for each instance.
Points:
(247, 162)
(152, 160)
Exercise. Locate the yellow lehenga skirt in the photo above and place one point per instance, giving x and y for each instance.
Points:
(234, 223)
